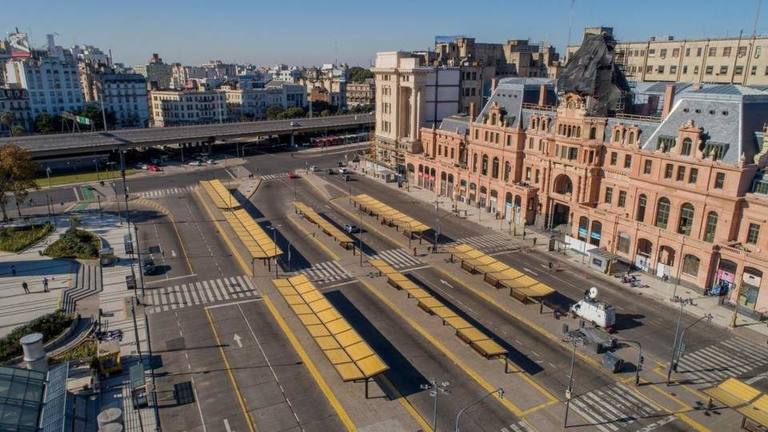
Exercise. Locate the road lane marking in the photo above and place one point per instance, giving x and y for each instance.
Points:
(241, 400)
(235, 251)
(343, 416)
(197, 398)
(226, 425)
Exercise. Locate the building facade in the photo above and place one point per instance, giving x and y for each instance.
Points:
(361, 93)
(410, 96)
(683, 195)
(159, 75)
(730, 60)
(126, 96)
(16, 102)
(189, 106)
(52, 83)
(252, 103)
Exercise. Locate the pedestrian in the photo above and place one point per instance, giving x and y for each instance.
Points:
(550, 265)
(13, 270)
(45, 284)
(25, 286)
(414, 251)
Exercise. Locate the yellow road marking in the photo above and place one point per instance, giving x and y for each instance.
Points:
(240, 398)
(314, 239)
(405, 403)
(442, 348)
(310, 366)
(235, 251)
(168, 214)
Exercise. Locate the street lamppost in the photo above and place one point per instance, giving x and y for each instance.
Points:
(574, 338)
(681, 343)
(274, 241)
(437, 225)
(640, 358)
(499, 390)
(683, 302)
(435, 388)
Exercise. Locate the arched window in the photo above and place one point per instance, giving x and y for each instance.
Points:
(495, 168)
(662, 213)
(686, 149)
(596, 233)
(484, 169)
(691, 265)
(507, 169)
(642, 203)
(711, 227)
(686, 219)
(631, 139)
(578, 131)
(474, 162)
(616, 135)
(592, 132)
(583, 228)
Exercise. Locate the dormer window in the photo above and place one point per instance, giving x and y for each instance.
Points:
(665, 143)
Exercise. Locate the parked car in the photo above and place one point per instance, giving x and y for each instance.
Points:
(352, 229)
(156, 161)
(347, 177)
(313, 168)
(153, 168)
(196, 163)
(341, 164)
(292, 175)
(142, 166)
(210, 161)
(343, 171)
(295, 124)
(330, 171)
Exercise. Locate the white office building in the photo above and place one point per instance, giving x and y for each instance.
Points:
(126, 96)
(52, 83)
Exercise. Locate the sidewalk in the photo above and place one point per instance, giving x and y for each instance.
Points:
(654, 287)
(18, 308)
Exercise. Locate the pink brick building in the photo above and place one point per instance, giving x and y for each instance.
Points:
(680, 194)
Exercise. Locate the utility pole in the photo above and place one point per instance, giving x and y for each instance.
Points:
(681, 343)
(736, 305)
(435, 388)
(574, 338)
(683, 302)
(437, 225)
(499, 390)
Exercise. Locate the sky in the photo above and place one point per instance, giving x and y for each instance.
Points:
(305, 32)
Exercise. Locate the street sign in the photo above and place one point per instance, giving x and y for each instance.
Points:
(83, 120)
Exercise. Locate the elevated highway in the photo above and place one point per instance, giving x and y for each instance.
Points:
(62, 145)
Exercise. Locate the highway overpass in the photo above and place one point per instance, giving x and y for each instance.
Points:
(62, 145)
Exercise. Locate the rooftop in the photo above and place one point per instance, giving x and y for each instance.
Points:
(21, 397)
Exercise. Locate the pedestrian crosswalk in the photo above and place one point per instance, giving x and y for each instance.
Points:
(159, 193)
(487, 243)
(199, 293)
(400, 259)
(275, 176)
(520, 426)
(616, 407)
(325, 273)
(726, 359)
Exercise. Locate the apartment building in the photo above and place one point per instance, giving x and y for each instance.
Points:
(16, 102)
(125, 95)
(158, 74)
(728, 60)
(361, 93)
(188, 106)
(244, 103)
(682, 195)
(52, 83)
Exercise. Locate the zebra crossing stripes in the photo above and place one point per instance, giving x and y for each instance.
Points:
(200, 293)
(487, 243)
(615, 407)
(519, 426)
(159, 193)
(274, 176)
(326, 272)
(726, 359)
(398, 258)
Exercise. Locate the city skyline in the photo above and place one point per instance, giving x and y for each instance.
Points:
(140, 31)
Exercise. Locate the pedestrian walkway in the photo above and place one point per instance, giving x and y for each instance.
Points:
(520, 426)
(88, 283)
(615, 408)
(730, 358)
(399, 259)
(326, 273)
(488, 243)
(160, 193)
(199, 293)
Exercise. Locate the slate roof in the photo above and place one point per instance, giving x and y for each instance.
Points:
(456, 124)
(511, 93)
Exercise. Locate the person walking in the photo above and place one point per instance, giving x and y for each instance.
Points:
(25, 286)
(45, 284)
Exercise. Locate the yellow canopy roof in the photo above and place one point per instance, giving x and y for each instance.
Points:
(395, 216)
(219, 194)
(323, 223)
(258, 243)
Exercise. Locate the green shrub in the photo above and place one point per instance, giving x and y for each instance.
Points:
(75, 243)
(50, 325)
(14, 239)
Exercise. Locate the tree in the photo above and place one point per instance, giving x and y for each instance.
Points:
(8, 120)
(274, 112)
(291, 113)
(46, 123)
(17, 176)
(358, 74)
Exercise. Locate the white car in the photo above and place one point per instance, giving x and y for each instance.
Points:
(210, 161)
(313, 168)
(196, 163)
(343, 171)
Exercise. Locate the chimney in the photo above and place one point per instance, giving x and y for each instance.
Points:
(543, 95)
(472, 111)
(669, 99)
(494, 81)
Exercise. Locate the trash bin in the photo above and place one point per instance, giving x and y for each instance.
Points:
(612, 362)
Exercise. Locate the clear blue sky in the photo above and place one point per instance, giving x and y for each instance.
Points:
(313, 32)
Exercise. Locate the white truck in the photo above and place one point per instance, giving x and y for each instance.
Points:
(594, 311)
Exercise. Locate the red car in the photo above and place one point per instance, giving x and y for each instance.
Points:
(292, 175)
(153, 168)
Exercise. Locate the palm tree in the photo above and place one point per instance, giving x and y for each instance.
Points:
(7, 119)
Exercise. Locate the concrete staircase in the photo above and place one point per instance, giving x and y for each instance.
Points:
(88, 283)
